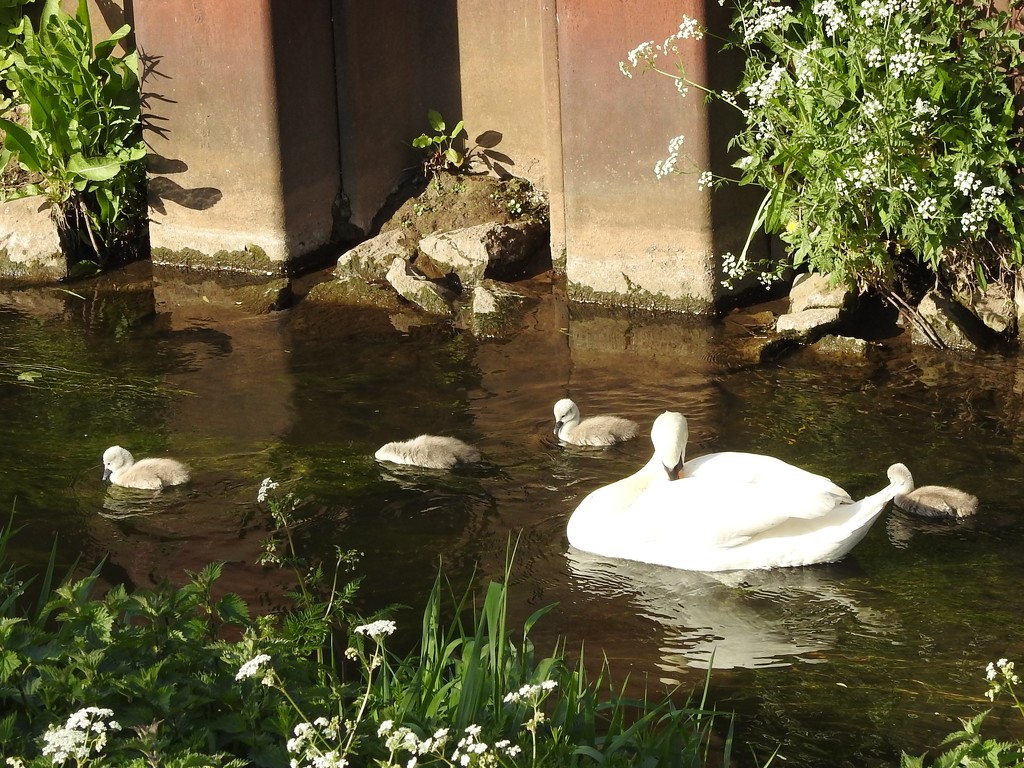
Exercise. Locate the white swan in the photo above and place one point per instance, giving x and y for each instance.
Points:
(937, 501)
(121, 468)
(430, 451)
(594, 430)
(730, 511)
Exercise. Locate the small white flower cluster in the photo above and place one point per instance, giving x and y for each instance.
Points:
(645, 54)
(868, 174)
(471, 751)
(982, 208)
(706, 180)
(907, 184)
(84, 732)
(252, 668)
(530, 692)
(1000, 676)
(768, 16)
(265, 487)
(859, 134)
(967, 182)
(733, 267)
(744, 162)
(689, 29)
(874, 57)
(802, 63)
(927, 208)
(376, 629)
(664, 167)
(404, 739)
(764, 130)
(882, 10)
(871, 107)
(832, 16)
(303, 749)
(910, 60)
(924, 113)
(759, 93)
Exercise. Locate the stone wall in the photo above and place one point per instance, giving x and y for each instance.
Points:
(278, 131)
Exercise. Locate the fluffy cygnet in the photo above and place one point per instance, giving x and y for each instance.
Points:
(430, 451)
(121, 468)
(938, 501)
(594, 430)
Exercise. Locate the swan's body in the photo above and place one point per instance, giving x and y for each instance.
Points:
(594, 430)
(937, 501)
(430, 451)
(120, 468)
(728, 511)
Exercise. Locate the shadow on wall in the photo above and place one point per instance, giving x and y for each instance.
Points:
(394, 62)
(159, 168)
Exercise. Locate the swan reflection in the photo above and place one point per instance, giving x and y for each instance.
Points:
(747, 619)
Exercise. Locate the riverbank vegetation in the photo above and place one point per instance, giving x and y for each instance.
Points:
(884, 136)
(70, 113)
(188, 676)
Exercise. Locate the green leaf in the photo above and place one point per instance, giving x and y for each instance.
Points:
(436, 121)
(21, 141)
(94, 168)
(454, 157)
(29, 376)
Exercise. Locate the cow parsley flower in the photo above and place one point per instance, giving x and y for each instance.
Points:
(265, 487)
(84, 733)
(376, 629)
(252, 667)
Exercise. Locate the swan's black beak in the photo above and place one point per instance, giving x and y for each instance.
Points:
(558, 426)
(106, 474)
(676, 472)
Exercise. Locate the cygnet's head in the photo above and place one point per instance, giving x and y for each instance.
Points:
(565, 412)
(115, 458)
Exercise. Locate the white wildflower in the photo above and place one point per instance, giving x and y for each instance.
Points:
(706, 180)
(927, 208)
(252, 667)
(265, 487)
(966, 181)
(760, 92)
(769, 16)
(376, 629)
(83, 734)
(833, 18)
(871, 107)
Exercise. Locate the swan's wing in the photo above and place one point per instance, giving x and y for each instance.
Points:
(697, 512)
(739, 467)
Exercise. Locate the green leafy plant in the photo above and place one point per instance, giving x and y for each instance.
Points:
(185, 677)
(882, 131)
(967, 747)
(440, 145)
(78, 133)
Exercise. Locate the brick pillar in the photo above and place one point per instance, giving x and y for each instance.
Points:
(240, 111)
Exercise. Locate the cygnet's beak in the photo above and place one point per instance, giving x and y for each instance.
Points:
(106, 473)
(558, 426)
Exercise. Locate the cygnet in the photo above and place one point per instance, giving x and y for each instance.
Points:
(594, 430)
(430, 451)
(120, 468)
(938, 501)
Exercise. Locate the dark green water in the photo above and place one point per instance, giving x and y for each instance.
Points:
(844, 664)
